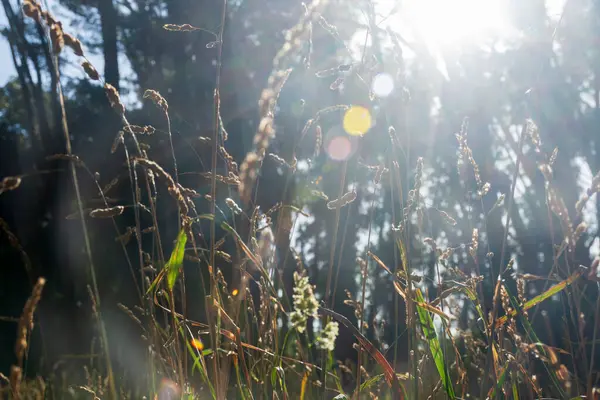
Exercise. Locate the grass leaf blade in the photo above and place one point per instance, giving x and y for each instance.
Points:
(176, 260)
(541, 297)
(434, 344)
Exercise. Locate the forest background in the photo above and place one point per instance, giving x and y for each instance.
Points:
(429, 169)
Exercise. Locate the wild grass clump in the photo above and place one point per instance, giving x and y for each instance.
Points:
(262, 338)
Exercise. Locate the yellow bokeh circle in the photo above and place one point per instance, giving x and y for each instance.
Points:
(357, 121)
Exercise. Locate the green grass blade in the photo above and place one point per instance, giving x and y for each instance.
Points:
(532, 336)
(515, 391)
(498, 387)
(434, 345)
(173, 267)
(370, 382)
(156, 281)
(209, 217)
(198, 363)
(238, 376)
(541, 297)
(552, 291)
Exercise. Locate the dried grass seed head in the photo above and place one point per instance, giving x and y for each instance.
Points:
(581, 228)
(32, 9)
(57, 38)
(233, 206)
(381, 169)
(484, 189)
(116, 142)
(157, 99)
(9, 183)
(25, 325)
(187, 192)
(447, 218)
(232, 166)
(180, 28)
(558, 207)
(581, 204)
(532, 131)
(474, 244)
(90, 71)
(66, 157)
(73, 43)
(318, 141)
(107, 212)
(248, 174)
(278, 159)
(346, 199)
(114, 99)
(505, 300)
(172, 187)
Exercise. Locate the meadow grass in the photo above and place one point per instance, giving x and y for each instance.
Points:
(242, 350)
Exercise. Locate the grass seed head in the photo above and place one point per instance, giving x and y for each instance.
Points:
(248, 174)
(114, 99)
(31, 8)
(233, 206)
(157, 99)
(73, 43)
(90, 71)
(305, 303)
(474, 244)
(326, 340)
(318, 141)
(107, 212)
(9, 183)
(57, 38)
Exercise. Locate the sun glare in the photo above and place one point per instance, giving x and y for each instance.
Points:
(448, 22)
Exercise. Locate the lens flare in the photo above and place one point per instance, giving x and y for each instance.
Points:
(383, 85)
(168, 389)
(339, 148)
(357, 121)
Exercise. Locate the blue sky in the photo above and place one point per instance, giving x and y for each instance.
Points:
(71, 68)
(7, 69)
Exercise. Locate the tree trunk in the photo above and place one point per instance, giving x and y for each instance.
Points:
(108, 19)
(16, 39)
(55, 112)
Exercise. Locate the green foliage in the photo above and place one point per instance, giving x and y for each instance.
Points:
(175, 263)
(434, 345)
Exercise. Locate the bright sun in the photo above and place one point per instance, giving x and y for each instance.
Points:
(450, 22)
(446, 23)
